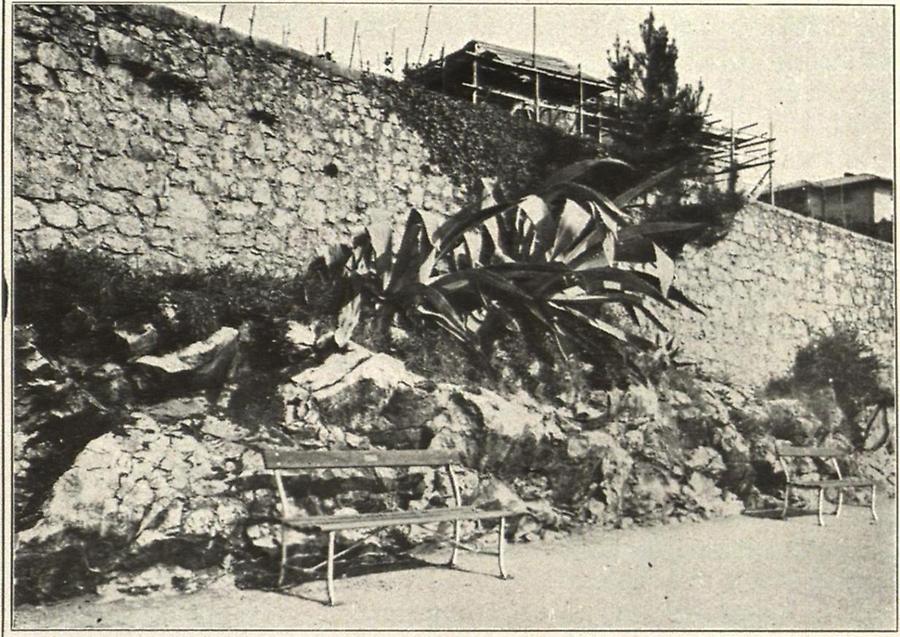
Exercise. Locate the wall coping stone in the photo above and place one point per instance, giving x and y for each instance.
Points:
(821, 226)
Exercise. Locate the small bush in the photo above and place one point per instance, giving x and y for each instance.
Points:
(837, 363)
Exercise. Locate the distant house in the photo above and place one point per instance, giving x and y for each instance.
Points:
(535, 86)
(862, 202)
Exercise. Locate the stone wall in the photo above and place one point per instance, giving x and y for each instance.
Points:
(774, 282)
(145, 133)
(177, 144)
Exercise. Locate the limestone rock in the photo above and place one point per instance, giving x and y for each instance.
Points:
(199, 364)
(138, 343)
(119, 46)
(53, 56)
(218, 71)
(54, 418)
(150, 496)
(33, 74)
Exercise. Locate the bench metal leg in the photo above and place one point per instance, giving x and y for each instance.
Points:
(872, 499)
(837, 511)
(283, 557)
(457, 535)
(330, 571)
(501, 541)
(787, 495)
(821, 503)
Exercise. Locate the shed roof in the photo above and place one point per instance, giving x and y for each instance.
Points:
(507, 56)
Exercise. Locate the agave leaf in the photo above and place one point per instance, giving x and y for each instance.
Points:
(432, 221)
(380, 238)
(348, 319)
(579, 168)
(439, 302)
(449, 235)
(596, 300)
(491, 280)
(609, 248)
(633, 281)
(596, 323)
(665, 269)
(408, 253)
(570, 226)
(640, 342)
(541, 217)
(678, 296)
(641, 187)
(336, 256)
(635, 243)
(653, 318)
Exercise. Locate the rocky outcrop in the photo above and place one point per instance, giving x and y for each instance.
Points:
(55, 416)
(145, 509)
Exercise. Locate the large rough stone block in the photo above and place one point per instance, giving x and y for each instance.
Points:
(54, 56)
(119, 46)
(122, 173)
(59, 215)
(25, 215)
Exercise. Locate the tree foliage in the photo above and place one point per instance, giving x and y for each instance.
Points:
(656, 124)
(653, 122)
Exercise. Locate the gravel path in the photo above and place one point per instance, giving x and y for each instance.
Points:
(737, 573)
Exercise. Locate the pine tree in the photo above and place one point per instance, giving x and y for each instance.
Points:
(652, 122)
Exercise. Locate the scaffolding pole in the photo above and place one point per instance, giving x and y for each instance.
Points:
(771, 166)
(353, 44)
(580, 103)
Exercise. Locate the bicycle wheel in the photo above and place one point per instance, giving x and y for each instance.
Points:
(876, 427)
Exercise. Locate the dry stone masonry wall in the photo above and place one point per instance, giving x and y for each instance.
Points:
(144, 133)
(177, 144)
(777, 280)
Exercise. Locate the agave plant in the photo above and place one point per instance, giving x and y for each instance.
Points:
(560, 259)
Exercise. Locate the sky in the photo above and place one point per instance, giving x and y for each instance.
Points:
(823, 75)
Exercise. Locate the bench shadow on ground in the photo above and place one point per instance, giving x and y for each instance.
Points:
(303, 586)
(775, 514)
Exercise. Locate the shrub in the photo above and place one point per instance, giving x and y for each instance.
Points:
(837, 362)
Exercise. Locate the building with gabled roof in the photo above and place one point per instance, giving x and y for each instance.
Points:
(856, 201)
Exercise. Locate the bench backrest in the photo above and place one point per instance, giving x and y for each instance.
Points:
(789, 451)
(298, 460)
(809, 452)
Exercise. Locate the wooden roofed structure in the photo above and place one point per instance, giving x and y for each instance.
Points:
(558, 93)
(539, 87)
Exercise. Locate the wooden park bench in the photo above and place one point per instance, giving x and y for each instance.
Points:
(285, 462)
(787, 454)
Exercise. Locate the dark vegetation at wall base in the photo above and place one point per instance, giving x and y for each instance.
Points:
(77, 300)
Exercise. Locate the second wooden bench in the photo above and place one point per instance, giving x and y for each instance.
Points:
(787, 453)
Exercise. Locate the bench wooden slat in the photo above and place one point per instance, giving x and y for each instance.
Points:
(393, 518)
(810, 452)
(297, 460)
(827, 484)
